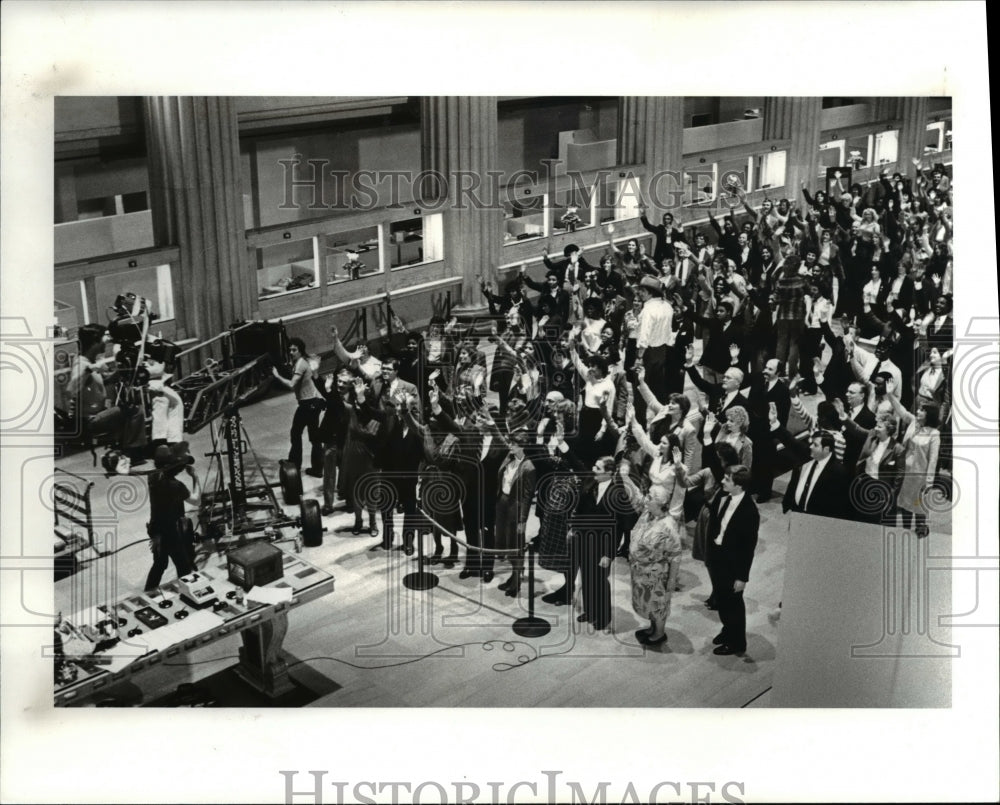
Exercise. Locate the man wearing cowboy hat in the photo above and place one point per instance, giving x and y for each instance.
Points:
(167, 522)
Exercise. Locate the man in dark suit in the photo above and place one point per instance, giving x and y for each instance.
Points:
(837, 374)
(595, 539)
(857, 412)
(486, 453)
(721, 396)
(733, 530)
(398, 457)
(667, 235)
(820, 485)
(766, 389)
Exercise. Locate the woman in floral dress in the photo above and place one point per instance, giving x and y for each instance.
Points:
(654, 560)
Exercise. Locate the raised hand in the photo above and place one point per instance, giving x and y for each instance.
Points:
(335, 333)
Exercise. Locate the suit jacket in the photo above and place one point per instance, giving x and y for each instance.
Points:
(740, 538)
(716, 351)
(828, 497)
(380, 391)
(838, 374)
(595, 520)
(760, 397)
(689, 267)
(891, 466)
(400, 454)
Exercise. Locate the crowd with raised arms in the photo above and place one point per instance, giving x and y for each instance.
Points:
(651, 400)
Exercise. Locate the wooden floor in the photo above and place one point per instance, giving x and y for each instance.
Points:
(379, 644)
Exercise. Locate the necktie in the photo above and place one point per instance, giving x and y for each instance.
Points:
(808, 486)
(875, 371)
(722, 514)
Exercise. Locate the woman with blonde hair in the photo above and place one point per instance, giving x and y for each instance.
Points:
(733, 432)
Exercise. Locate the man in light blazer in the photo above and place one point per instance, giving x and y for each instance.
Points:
(389, 389)
(733, 529)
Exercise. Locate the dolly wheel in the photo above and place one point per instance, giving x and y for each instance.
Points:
(312, 523)
(291, 482)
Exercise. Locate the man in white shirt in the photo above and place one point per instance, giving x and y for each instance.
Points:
(655, 339)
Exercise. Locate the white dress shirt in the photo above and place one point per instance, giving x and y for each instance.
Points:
(508, 475)
(871, 465)
(806, 469)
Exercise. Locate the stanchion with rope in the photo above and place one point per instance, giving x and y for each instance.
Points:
(420, 579)
(532, 625)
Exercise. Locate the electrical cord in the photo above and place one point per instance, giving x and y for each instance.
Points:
(488, 645)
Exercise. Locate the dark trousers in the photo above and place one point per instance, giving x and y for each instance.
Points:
(765, 461)
(406, 496)
(331, 463)
(169, 548)
(874, 500)
(789, 333)
(477, 534)
(812, 347)
(306, 417)
(732, 611)
(656, 360)
(595, 587)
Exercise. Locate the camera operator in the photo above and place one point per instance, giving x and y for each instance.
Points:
(169, 536)
(123, 425)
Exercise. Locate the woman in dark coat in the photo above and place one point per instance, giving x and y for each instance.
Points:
(359, 478)
(441, 490)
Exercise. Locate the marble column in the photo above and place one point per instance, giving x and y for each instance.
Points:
(799, 120)
(459, 142)
(912, 132)
(196, 202)
(651, 132)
